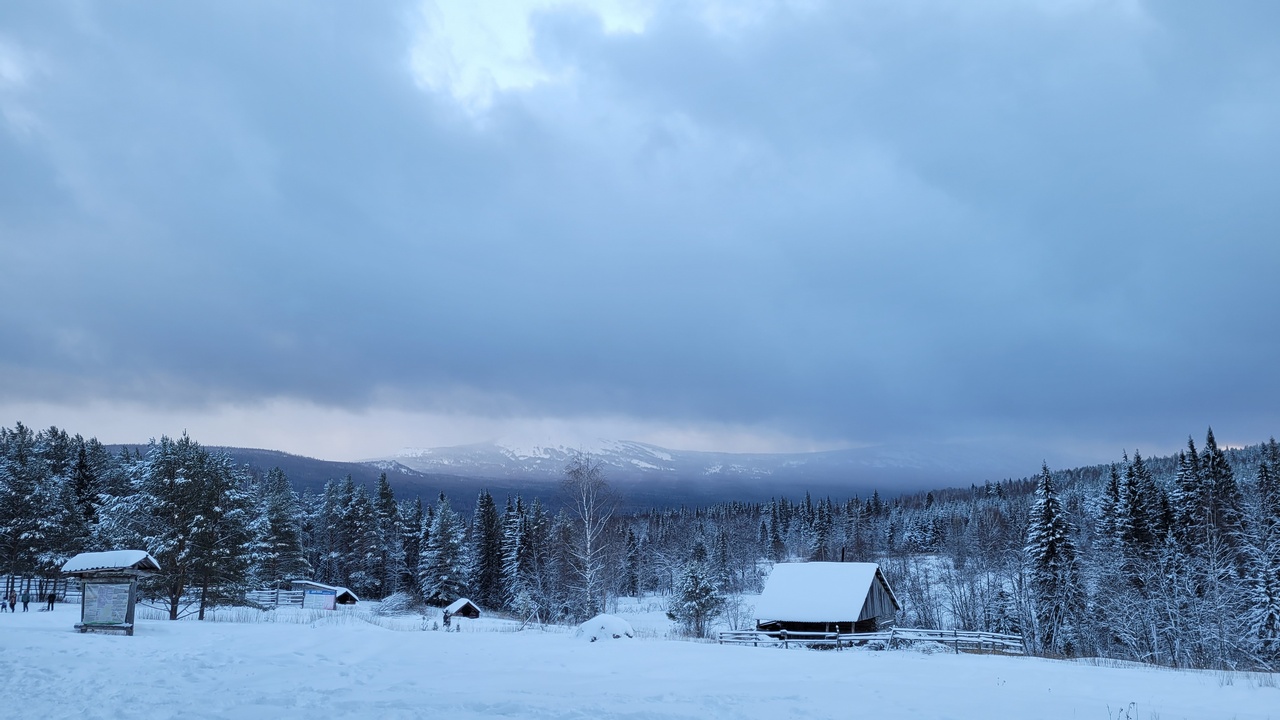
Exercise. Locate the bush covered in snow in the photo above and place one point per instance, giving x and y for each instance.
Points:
(399, 603)
(605, 627)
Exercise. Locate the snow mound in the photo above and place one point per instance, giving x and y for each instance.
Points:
(605, 627)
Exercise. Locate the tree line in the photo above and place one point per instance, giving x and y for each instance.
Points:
(1170, 560)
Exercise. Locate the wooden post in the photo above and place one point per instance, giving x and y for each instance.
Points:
(783, 634)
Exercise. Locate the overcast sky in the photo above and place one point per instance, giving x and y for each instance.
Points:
(339, 228)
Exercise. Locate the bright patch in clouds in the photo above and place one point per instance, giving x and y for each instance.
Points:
(340, 434)
(475, 50)
(15, 74)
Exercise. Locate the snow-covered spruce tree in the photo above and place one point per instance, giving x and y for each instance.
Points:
(487, 581)
(21, 472)
(519, 574)
(1109, 508)
(364, 561)
(390, 538)
(221, 539)
(697, 599)
(278, 553)
(1225, 513)
(1262, 581)
(85, 484)
(820, 536)
(330, 536)
(443, 571)
(1056, 591)
(411, 519)
(1263, 616)
(539, 572)
(631, 567)
(188, 509)
(1138, 518)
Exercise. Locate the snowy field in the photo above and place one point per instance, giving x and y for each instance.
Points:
(355, 665)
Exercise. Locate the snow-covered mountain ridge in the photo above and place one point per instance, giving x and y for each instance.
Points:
(629, 462)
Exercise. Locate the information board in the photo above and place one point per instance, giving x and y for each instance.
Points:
(320, 599)
(105, 603)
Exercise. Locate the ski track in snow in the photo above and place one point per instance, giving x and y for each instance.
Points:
(341, 666)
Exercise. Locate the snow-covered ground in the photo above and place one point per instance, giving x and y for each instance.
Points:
(346, 664)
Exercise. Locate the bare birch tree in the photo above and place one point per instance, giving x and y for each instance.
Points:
(591, 505)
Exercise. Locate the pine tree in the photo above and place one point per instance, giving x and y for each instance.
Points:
(1189, 501)
(698, 599)
(631, 568)
(444, 569)
(1110, 508)
(21, 472)
(1055, 583)
(221, 538)
(515, 581)
(1262, 581)
(85, 485)
(278, 555)
(189, 508)
(364, 561)
(488, 568)
(822, 527)
(411, 523)
(1224, 512)
(1138, 517)
(390, 538)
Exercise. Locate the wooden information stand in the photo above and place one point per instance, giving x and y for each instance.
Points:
(110, 581)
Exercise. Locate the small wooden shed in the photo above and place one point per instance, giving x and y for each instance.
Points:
(110, 587)
(341, 595)
(826, 597)
(461, 607)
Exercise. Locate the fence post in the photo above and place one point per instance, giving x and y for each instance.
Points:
(783, 634)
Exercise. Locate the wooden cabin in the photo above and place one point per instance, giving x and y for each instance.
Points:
(462, 607)
(342, 596)
(826, 597)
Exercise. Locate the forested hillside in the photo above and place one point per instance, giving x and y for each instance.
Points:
(1172, 560)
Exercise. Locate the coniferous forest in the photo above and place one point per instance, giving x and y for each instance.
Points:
(1169, 560)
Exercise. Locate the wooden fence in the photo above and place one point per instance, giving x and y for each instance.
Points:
(960, 640)
(276, 598)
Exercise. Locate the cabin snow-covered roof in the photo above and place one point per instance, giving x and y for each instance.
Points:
(337, 591)
(111, 560)
(458, 604)
(818, 591)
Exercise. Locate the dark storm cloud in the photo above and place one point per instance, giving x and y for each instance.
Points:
(867, 221)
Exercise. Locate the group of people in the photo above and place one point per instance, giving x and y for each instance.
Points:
(10, 601)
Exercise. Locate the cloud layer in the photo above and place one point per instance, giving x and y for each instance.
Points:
(843, 223)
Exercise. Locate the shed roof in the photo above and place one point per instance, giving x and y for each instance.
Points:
(458, 604)
(111, 560)
(339, 592)
(818, 591)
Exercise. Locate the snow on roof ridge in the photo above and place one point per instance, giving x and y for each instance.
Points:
(107, 559)
(338, 588)
(816, 591)
(457, 605)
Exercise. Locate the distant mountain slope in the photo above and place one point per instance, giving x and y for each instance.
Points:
(646, 475)
(653, 474)
(307, 473)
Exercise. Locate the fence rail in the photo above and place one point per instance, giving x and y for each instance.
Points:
(276, 598)
(960, 640)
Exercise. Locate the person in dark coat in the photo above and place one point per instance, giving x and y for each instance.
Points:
(52, 598)
(26, 599)
(13, 601)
